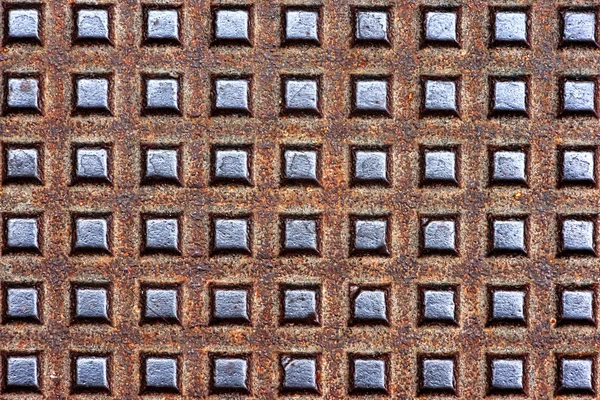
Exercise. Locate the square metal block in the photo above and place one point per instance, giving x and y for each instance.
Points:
(161, 374)
(441, 26)
(232, 95)
(232, 235)
(22, 234)
(232, 165)
(579, 97)
(91, 373)
(300, 306)
(230, 305)
(302, 25)
(22, 373)
(509, 236)
(370, 306)
(371, 26)
(22, 303)
(440, 167)
(507, 375)
(301, 235)
(578, 167)
(438, 306)
(439, 236)
(162, 234)
(162, 164)
(161, 305)
(370, 166)
(370, 235)
(23, 165)
(371, 96)
(576, 375)
(510, 27)
(162, 94)
(438, 375)
(301, 165)
(92, 94)
(579, 27)
(369, 375)
(23, 94)
(93, 24)
(91, 164)
(440, 96)
(510, 97)
(91, 234)
(301, 95)
(162, 25)
(230, 375)
(24, 24)
(508, 306)
(577, 306)
(578, 236)
(509, 167)
(91, 303)
(232, 25)
(299, 374)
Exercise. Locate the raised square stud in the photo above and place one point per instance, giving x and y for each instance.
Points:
(23, 95)
(232, 26)
(302, 26)
(92, 95)
(437, 375)
(162, 95)
(579, 28)
(510, 28)
(577, 306)
(91, 235)
(300, 235)
(371, 96)
(371, 26)
(579, 97)
(22, 373)
(508, 306)
(299, 374)
(162, 26)
(370, 166)
(21, 235)
(508, 236)
(23, 25)
(91, 165)
(230, 375)
(22, 165)
(300, 306)
(91, 374)
(161, 305)
(162, 235)
(368, 375)
(22, 304)
(578, 236)
(510, 97)
(231, 166)
(576, 375)
(301, 95)
(91, 304)
(438, 305)
(578, 167)
(507, 376)
(509, 167)
(438, 236)
(230, 306)
(369, 306)
(439, 167)
(231, 96)
(301, 166)
(162, 165)
(440, 27)
(440, 97)
(92, 25)
(160, 374)
(370, 236)
(231, 235)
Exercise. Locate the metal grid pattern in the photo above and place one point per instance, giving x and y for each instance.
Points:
(404, 270)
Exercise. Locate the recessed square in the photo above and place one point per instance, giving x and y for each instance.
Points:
(22, 304)
(440, 167)
(370, 236)
(232, 25)
(230, 306)
(161, 305)
(440, 27)
(438, 306)
(162, 235)
(299, 374)
(579, 97)
(579, 28)
(578, 236)
(23, 94)
(577, 306)
(160, 374)
(507, 375)
(91, 374)
(510, 28)
(301, 235)
(91, 235)
(510, 97)
(91, 304)
(439, 236)
(576, 375)
(509, 167)
(231, 96)
(92, 95)
(301, 95)
(437, 375)
(162, 165)
(92, 24)
(301, 166)
(300, 306)
(508, 306)
(162, 25)
(230, 375)
(370, 167)
(231, 166)
(302, 26)
(371, 26)
(91, 165)
(440, 97)
(369, 375)
(369, 306)
(578, 167)
(22, 165)
(162, 95)
(371, 96)
(21, 234)
(231, 235)
(23, 25)
(22, 373)
(508, 236)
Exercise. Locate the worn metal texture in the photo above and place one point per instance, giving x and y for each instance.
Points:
(162, 294)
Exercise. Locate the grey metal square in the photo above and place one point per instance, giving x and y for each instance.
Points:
(161, 374)
(91, 164)
(509, 167)
(161, 305)
(91, 373)
(230, 375)
(579, 97)
(22, 303)
(91, 234)
(162, 25)
(301, 95)
(299, 374)
(302, 25)
(578, 236)
(510, 97)
(24, 23)
(22, 373)
(162, 234)
(23, 165)
(22, 234)
(231, 235)
(300, 306)
(371, 95)
(509, 236)
(301, 235)
(579, 27)
(438, 375)
(232, 25)
(507, 375)
(510, 27)
(370, 166)
(577, 306)
(93, 24)
(232, 166)
(508, 306)
(232, 95)
(440, 96)
(92, 94)
(440, 167)
(91, 303)
(576, 374)
(231, 305)
(369, 375)
(438, 306)
(578, 167)
(162, 94)
(370, 235)
(301, 166)
(439, 236)
(162, 164)
(441, 26)
(23, 94)
(371, 26)
(370, 306)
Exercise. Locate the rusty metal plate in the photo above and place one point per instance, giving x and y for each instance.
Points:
(297, 198)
